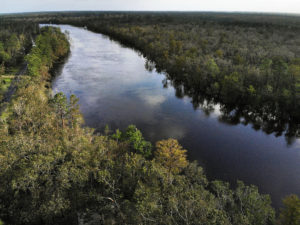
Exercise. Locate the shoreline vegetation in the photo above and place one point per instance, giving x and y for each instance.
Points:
(56, 171)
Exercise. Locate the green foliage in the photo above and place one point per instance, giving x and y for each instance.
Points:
(13, 45)
(251, 90)
(212, 68)
(15, 41)
(290, 214)
(244, 205)
(219, 53)
(4, 85)
(136, 140)
(51, 45)
(34, 63)
(60, 105)
(4, 56)
(231, 88)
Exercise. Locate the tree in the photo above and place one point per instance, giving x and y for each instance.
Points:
(74, 115)
(171, 155)
(13, 45)
(244, 205)
(4, 56)
(232, 88)
(219, 53)
(34, 63)
(251, 90)
(290, 214)
(212, 68)
(60, 105)
(280, 70)
(136, 140)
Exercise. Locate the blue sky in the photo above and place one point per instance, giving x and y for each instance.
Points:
(290, 6)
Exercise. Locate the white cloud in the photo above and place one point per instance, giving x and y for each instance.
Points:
(154, 100)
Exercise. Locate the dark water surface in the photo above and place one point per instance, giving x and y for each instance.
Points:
(115, 89)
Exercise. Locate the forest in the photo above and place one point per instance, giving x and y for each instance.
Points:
(55, 170)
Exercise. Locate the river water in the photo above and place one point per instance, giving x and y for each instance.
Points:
(115, 88)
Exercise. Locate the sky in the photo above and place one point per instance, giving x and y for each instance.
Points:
(283, 6)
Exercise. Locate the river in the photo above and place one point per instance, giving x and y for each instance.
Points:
(115, 88)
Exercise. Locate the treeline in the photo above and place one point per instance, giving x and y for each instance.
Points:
(248, 63)
(55, 171)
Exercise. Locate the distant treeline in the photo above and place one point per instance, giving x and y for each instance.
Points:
(250, 63)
